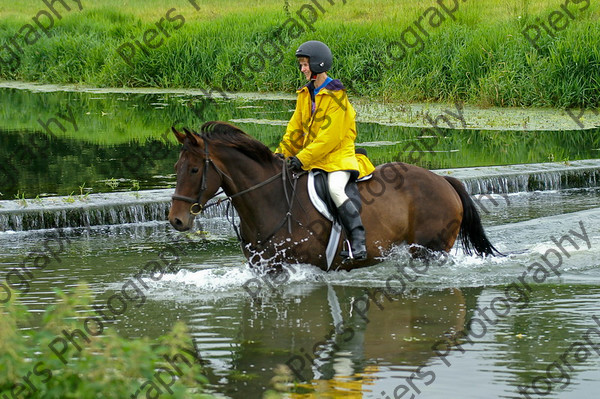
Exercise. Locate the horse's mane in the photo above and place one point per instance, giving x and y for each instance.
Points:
(232, 136)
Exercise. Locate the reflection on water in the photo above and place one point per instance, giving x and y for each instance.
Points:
(318, 336)
(37, 165)
(122, 141)
(339, 333)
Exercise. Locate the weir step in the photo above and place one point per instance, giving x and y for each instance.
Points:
(527, 177)
(153, 205)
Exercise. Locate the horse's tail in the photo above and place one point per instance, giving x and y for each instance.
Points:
(471, 231)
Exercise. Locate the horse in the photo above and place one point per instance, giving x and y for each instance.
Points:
(401, 203)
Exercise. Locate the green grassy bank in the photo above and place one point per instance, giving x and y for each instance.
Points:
(486, 52)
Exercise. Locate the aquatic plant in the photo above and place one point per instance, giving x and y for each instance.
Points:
(34, 362)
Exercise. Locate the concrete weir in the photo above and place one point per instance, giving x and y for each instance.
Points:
(153, 205)
(528, 177)
(83, 211)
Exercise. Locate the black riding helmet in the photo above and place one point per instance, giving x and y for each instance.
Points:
(319, 55)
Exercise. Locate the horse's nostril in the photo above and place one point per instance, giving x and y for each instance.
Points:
(178, 222)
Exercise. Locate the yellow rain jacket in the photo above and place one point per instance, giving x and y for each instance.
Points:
(324, 139)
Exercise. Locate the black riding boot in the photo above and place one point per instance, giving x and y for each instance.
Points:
(350, 218)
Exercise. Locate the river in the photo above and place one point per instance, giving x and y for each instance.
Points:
(461, 327)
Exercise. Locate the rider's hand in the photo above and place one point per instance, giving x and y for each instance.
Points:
(294, 164)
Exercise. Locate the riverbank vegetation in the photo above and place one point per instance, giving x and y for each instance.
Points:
(71, 356)
(489, 52)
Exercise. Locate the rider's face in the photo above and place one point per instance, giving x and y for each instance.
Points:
(304, 67)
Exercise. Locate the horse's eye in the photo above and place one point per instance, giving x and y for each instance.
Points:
(194, 170)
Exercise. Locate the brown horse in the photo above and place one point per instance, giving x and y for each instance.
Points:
(401, 203)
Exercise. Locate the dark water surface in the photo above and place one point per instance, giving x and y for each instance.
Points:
(365, 333)
(60, 143)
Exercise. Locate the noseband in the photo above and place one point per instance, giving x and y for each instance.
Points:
(196, 201)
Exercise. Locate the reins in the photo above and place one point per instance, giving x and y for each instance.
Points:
(290, 201)
(230, 197)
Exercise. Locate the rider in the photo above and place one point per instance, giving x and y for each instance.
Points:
(321, 135)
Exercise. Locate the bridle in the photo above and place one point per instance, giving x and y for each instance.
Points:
(196, 201)
(207, 163)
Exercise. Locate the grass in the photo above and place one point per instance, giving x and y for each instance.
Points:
(20, 197)
(103, 365)
(135, 187)
(480, 56)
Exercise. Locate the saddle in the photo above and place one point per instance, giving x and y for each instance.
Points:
(321, 200)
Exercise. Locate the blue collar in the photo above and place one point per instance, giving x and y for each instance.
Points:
(323, 85)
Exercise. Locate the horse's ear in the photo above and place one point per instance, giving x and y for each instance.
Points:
(180, 136)
(193, 138)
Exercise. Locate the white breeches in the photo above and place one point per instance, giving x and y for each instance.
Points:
(337, 183)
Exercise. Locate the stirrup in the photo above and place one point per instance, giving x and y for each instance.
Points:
(348, 255)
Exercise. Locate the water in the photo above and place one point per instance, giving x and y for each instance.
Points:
(246, 325)
(122, 142)
(244, 333)
(85, 210)
(488, 185)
